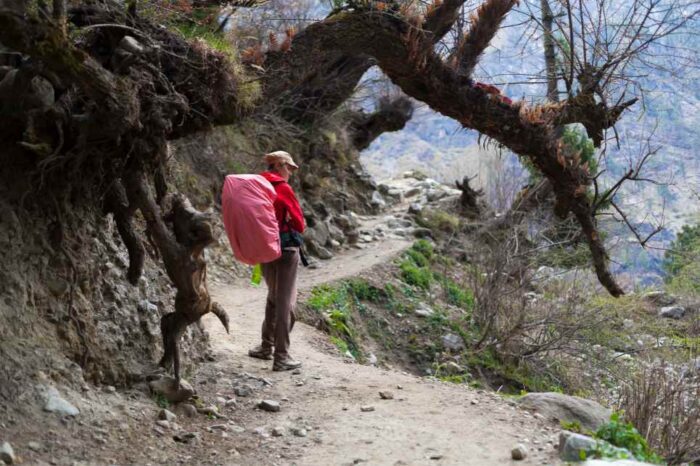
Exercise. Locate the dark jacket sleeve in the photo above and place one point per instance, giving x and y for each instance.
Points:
(295, 215)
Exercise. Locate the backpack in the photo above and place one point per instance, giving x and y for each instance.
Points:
(249, 218)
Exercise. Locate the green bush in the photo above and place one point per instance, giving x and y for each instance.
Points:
(420, 277)
(681, 260)
(424, 247)
(624, 435)
(363, 291)
(326, 297)
(459, 296)
(419, 259)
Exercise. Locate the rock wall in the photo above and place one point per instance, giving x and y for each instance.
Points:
(67, 311)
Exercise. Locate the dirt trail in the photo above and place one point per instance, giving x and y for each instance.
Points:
(427, 422)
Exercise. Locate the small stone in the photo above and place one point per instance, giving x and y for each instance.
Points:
(7, 454)
(269, 405)
(424, 311)
(173, 391)
(278, 432)
(110, 389)
(34, 446)
(56, 404)
(415, 208)
(243, 391)
(452, 368)
(57, 286)
(221, 400)
(299, 383)
(163, 424)
(296, 372)
(187, 437)
(299, 432)
(672, 312)
(261, 432)
(474, 402)
(367, 409)
(222, 427)
(209, 411)
(189, 410)
(386, 395)
(519, 452)
(166, 415)
(436, 456)
(231, 403)
(131, 45)
(452, 342)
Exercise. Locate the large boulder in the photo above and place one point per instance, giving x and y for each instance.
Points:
(589, 414)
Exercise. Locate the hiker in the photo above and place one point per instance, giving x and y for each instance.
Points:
(281, 274)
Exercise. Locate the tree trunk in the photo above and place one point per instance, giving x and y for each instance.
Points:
(550, 57)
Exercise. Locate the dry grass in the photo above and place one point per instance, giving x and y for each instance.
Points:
(663, 403)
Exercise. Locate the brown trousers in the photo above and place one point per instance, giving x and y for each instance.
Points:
(281, 279)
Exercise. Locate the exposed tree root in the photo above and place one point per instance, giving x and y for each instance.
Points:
(182, 249)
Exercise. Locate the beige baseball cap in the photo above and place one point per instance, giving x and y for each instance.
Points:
(280, 156)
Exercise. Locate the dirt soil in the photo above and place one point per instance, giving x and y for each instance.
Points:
(330, 412)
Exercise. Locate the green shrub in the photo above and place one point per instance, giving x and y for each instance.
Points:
(624, 435)
(459, 296)
(363, 291)
(681, 261)
(419, 259)
(326, 297)
(424, 247)
(413, 275)
(573, 426)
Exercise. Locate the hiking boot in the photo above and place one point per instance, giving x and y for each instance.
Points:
(286, 364)
(261, 352)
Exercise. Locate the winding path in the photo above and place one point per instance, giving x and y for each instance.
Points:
(427, 422)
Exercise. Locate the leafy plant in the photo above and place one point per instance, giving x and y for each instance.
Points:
(458, 296)
(624, 435)
(573, 426)
(424, 247)
(161, 400)
(364, 291)
(420, 277)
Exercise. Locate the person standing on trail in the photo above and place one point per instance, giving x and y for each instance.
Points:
(281, 274)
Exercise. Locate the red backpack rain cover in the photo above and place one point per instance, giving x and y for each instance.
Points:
(249, 218)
